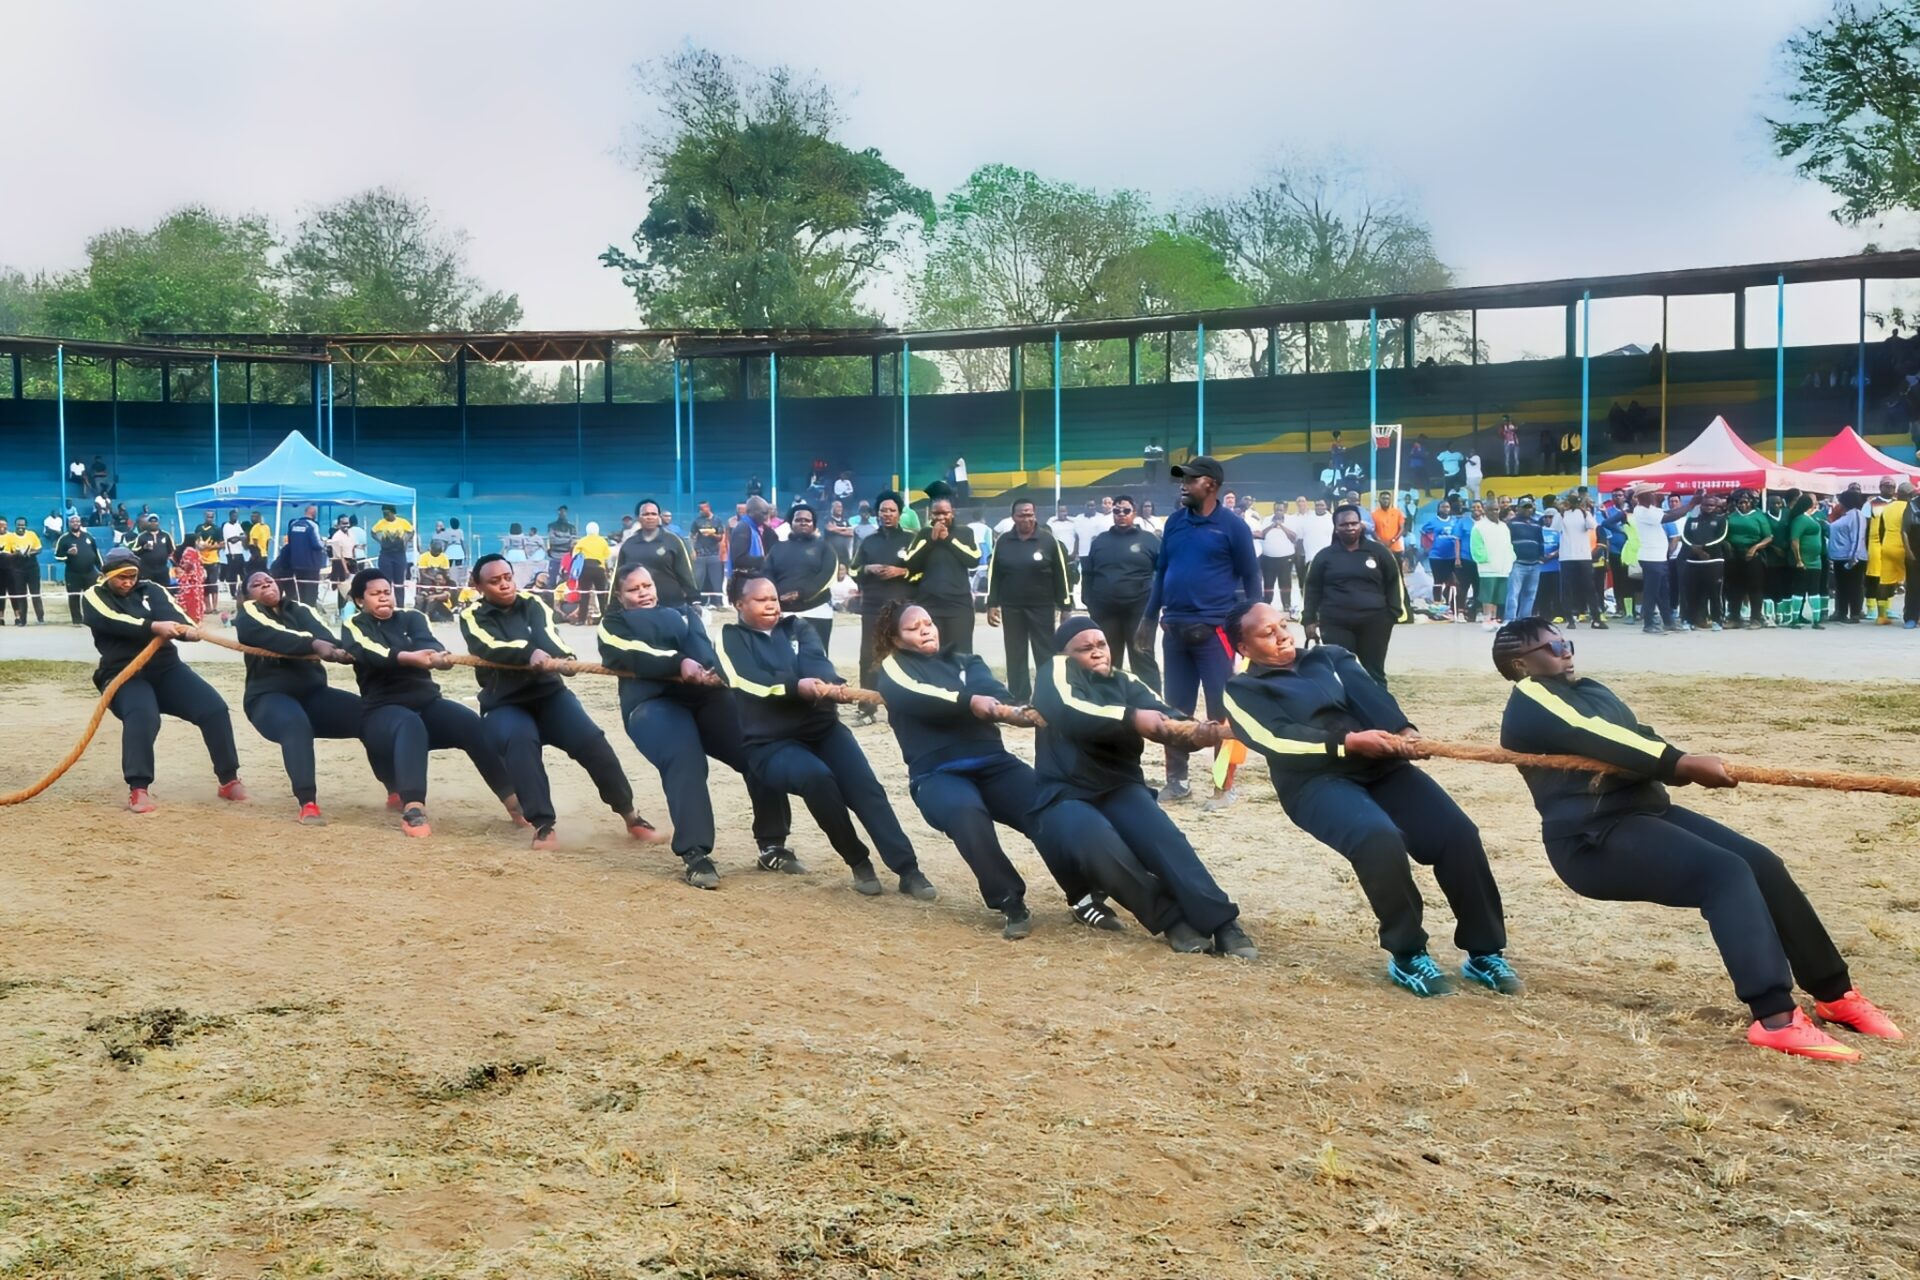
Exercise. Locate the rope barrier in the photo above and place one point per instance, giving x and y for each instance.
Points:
(127, 673)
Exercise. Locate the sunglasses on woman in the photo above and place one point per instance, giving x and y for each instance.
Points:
(1559, 647)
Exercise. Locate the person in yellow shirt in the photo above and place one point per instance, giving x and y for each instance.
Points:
(434, 557)
(21, 553)
(259, 545)
(592, 554)
(391, 533)
(1887, 553)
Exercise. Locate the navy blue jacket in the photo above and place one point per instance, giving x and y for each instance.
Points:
(652, 643)
(765, 669)
(1529, 540)
(928, 709)
(1298, 717)
(1089, 747)
(1585, 718)
(1207, 565)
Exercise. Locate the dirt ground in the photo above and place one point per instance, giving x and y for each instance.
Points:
(230, 1046)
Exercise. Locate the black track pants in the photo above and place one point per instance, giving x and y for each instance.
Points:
(295, 722)
(519, 730)
(1768, 933)
(965, 806)
(1126, 826)
(400, 738)
(676, 739)
(1029, 630)
(1121, 625)
(173, 691)
(831, 776)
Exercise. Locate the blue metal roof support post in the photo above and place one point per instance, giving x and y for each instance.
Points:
(1056, 420)
(216, 418)
(460, 394)
(906, 420)
(1586, 376)
(579, 433)
(692, 452)
(677, 455)
(1200, 388)
(60, 416)
(1780, 370)
(1860, 368)
(313, 394)
(1373, 398)
(773, 427)
(333, 437)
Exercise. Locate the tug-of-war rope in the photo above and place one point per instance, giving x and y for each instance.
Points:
(1177, 731)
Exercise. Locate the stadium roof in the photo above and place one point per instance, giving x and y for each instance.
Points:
(598, 344)
(146, 353)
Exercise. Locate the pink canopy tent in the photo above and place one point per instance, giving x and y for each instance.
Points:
(1718, 461)
(1849, 457)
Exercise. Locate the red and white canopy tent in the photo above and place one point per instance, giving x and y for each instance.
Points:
(1719, 461)
(1849, 457)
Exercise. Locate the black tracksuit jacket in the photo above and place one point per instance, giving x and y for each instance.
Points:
(765, 669)
(1089, 746)
(120, 626)
(940, 571)
(803, 565)
(928, 697)
(374, 642)
(651, 643)
(1118, 571)
(1029, 573)
(667, 559)
(1298, 717)
(1585, 718)
(290, 629)
(885, 546)
(511, 635)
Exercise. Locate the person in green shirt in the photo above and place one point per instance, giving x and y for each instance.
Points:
(1806, 540)
(1749, 534)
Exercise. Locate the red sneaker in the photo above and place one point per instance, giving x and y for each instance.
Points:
(310, 815)
(394, 803)
(413, 822)
(138, 801)
(1861, 1014)
(544, 839)
(640, 829)
(1802, 1038)
(235, 791)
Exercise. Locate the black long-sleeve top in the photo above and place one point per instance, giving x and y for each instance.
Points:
(746, 562)
(121, 627)
(155, 550)
(1704, 535)
(652, 643)
(929, 698)
(765, 669)
(510, 636)
(1089, 747)
(1353, 586)
(804, 566)
(940, 571)
(1585, 718)
(1298, 717)
(289, 629)
(1118, 570)
(667, 559)
(1028, 573)
(81, 556)
(884, 546)
(376, 643)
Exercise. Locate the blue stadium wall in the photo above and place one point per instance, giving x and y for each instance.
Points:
(518, 462)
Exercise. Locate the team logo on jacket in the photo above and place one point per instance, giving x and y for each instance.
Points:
(1038, 556)
(1137, 547)
(1371, 564)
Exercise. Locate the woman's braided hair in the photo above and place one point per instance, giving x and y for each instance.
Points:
(1515, 638)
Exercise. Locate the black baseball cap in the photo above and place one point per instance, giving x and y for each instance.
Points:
(1200, 465)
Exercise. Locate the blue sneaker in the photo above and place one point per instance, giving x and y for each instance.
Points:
(1420, 975)
(1494, 973)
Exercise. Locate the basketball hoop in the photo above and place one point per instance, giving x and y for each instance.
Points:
(1383, 434)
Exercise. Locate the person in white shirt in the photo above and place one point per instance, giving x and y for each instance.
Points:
(1580, 590)
(1277, 548)
(1474, 476)
(1450, 460)
(1066, 532)
(982, 536)
(1314, 531)
(1146, 519)
(1090, 524)
(1649, 519)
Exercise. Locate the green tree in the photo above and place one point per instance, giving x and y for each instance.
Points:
(194, 271)
(1853, 108)
(1305, 234)
(760, 217)
(379, 262)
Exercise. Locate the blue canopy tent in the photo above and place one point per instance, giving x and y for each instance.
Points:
(296, 471)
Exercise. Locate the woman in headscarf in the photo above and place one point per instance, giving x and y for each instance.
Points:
(287, 697)
(802, 570)
(125, 614)
(528, 707)
(1338, 748)
(1093, 798)
(942, 706)
(1618, 837)
(679, 711)
(190, 583)
(404, 715)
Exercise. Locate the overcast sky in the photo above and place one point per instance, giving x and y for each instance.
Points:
(1539, 140)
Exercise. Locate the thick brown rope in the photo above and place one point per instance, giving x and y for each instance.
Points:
(1818, 779)
(127, 673)
(572, 666)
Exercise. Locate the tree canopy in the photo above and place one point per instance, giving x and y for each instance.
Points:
(1852, 122)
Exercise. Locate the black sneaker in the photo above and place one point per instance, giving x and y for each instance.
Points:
(865, 882)
(1187, 940)
(701, 874)
(915, 884)
(777, 857)
(1233, 941)
(1096, 914)
(1019, 922)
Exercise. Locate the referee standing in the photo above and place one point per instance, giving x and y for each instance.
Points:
(1207, 565)
(1026, 582)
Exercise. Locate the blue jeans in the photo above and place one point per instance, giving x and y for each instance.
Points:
(1523, 584)
(1656, 602)
(1193, 656)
